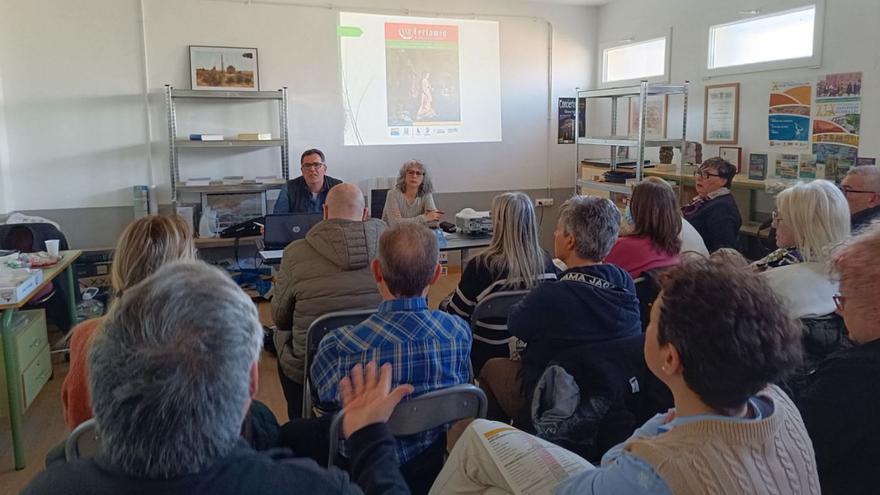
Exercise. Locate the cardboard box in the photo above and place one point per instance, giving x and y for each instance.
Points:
(17, 284)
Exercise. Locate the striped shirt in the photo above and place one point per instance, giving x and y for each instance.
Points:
(428, 349)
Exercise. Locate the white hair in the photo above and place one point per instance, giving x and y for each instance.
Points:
(870, 174)
(817, 214)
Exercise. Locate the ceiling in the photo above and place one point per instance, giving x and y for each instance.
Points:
(576, 2)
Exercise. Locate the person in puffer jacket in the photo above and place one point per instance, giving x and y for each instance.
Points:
(328, 270)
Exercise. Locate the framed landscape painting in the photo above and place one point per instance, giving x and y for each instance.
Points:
(223, 68)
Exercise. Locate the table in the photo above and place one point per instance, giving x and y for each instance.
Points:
(13, 386)
(462, 243)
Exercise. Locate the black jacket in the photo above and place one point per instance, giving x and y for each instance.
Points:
(861, 219)
(299, 198)
(374, 467)
(588, 304)
(840, 410)
(718, 222)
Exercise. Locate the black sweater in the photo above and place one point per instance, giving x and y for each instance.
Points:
(718, 222)
(374, 467)
(841, 410)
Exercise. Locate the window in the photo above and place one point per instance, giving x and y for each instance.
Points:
(779, 40)
(635, 61)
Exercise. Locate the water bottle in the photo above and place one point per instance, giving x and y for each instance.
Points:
(89, 307)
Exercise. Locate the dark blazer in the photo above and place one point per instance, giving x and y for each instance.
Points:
(299, 198)
(718, 222)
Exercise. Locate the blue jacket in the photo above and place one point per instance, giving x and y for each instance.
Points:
(295, 196)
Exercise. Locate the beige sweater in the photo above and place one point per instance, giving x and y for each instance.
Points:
(772, 456)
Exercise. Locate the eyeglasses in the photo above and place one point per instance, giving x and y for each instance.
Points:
(312, 165)
(848, 190)
(417, 173)
(704, 174)
(839, 301)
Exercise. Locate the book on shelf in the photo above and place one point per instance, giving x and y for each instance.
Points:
(233, 180)
(206, 137)
(254, 136)
(198, 181)
(266, 179)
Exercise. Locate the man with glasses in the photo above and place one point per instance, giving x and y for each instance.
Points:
(306, 194)
(862, 189)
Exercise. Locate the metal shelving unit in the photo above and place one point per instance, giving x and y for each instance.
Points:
(175, 143)
(643, 90)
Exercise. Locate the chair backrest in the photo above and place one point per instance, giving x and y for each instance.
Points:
(319, 329)
(424, 412)
(647, 290)
(83, 442)
(496, 306)
(377, 202)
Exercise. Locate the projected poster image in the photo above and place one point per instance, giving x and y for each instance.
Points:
(411, 80)
(422, 75)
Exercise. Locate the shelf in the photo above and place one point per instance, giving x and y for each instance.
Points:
(237, 188)
(627, 141)
(216, 242)
(228, 143)
(652, 90)
(228, 95)
(605, 186)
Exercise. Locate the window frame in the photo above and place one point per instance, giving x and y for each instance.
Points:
(813, 61)
(663, 78)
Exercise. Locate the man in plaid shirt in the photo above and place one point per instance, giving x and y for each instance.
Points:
(428, 349)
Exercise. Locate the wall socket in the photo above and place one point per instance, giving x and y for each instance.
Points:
(542, 202)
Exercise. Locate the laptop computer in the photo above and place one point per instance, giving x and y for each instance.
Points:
(284, 228)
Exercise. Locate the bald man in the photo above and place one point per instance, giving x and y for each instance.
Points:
(327, 271)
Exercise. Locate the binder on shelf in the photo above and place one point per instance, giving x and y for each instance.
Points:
(198, 181)
(206, 137)
(233, 180)
(254, 136)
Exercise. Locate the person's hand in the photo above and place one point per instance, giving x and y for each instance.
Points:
(433, 215)
(367, 397)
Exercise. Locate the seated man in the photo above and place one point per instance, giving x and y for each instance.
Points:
(591, 302)
(718, 338)
(428, 349)
(840, 406)
(327, 271)
(862, 189)
(172, 374)
(307, 193)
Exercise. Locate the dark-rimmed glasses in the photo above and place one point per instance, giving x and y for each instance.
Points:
(703, 174)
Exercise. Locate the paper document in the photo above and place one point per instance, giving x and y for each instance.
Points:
(530, 466)
(272, 254)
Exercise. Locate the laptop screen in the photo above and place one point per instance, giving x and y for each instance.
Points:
(282, 229)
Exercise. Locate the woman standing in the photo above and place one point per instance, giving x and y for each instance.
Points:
(411, 200)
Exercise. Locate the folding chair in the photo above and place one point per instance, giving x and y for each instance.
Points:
(83, 442)
(423, 413)
(491, 313)
(317, 331)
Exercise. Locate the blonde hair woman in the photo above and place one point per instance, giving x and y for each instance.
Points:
(811, 219)
(514, 260)
(411, 199)
(144, 246)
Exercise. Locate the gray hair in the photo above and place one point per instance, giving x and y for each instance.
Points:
(515, 249)
(408, 256)
(170, 371)
(595, 224)
(870, 174)
(427, 186)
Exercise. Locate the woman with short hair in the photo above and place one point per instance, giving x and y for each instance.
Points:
(653, 240)
(713, 212)
(411, 199)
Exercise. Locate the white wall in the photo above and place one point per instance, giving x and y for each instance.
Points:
(72, 95)
(850, 44)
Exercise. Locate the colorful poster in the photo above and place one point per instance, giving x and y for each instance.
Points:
(422, 77)
(787, 166)
(565, 129)
(788, 117)
(836, 122)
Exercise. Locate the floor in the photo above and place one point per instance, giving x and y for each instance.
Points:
(44, 425)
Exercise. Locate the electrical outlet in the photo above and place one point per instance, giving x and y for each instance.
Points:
(541, 202)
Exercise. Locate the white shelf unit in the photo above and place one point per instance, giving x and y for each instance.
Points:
(176, 143)
(642, 91)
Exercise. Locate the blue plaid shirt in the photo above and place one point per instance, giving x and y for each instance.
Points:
(428, 349)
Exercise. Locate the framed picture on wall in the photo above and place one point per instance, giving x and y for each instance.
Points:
(655, 117)
(758, 166)
(721, 119)
(224, 68)
(732, 154)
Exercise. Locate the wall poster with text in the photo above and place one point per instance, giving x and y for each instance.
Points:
(836, 121)
(788, 118)
(566, 120)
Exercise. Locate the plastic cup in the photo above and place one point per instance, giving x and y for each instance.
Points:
(52, 247)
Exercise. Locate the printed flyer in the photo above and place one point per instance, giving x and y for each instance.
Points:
(788, 117)
(566, 120)
(836, 123)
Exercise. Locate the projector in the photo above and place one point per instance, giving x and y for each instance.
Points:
(472, 222)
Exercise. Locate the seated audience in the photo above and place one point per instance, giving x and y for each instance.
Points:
(144, 246)
(591, 302)
(655, 223)
(171, 383)
(714, 212)
(411, 198)
(428, 349)
(731, 431)
(514, 260)
(862, 189)
(307, 193)
(811, 219)
(691, 241)
(327, 271)
(840, 407)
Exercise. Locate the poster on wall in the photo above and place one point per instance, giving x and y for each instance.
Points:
(836, 123)
(788, 119)
(566, 121)
(721, 120)
(655, 117)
